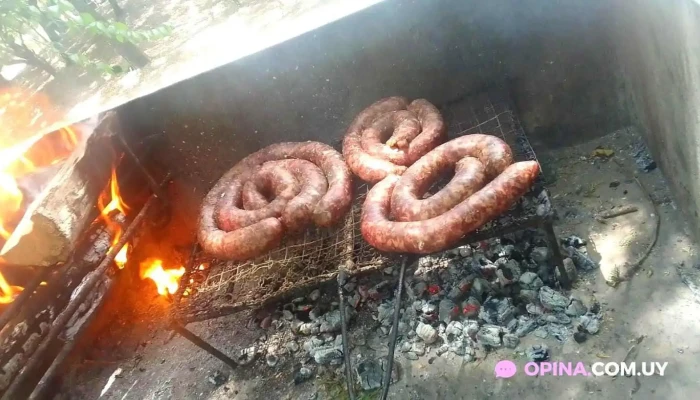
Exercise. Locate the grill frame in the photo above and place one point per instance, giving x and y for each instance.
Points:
(490, 112)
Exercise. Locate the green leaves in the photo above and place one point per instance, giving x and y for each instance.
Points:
(87, 18)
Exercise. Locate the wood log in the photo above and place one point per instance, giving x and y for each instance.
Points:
(56, 219)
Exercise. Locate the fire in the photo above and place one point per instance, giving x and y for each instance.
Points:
(7, 291)
(107, 211)
(19, 159)
(120, 258)
(166, 280)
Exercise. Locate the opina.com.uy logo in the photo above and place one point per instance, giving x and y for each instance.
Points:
(508, 369)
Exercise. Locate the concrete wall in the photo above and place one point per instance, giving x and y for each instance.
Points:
(554, 57)
(658, 49)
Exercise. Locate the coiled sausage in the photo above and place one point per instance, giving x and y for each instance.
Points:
(410, 131)
(221, 233)
(438, 233)
(475, 159)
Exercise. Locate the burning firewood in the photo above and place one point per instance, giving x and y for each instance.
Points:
(55, 220)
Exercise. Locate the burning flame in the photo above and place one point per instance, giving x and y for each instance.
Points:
(18, 111)
(7, 291)
(120, 259)
(116, 203)
(166, 280)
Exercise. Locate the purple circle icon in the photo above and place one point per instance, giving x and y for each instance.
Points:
(505, 369)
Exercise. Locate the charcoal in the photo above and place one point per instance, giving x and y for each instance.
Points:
(480, 288)
(331, 322)
(272, 360)
(530, 281)
(302, 375)
(541, 332)
(464, 251)
(315, 295)
(330, 355)
(511, 341)
(454, 328)
(643, 159)
(442, 349)
(405, 347)
(427, 333)
(418, 348)
(557, 318)
(470, 328)
(573, 241)
(447, 310)
(590, 323)
(429, 308)
(497, 311)
(471, 307)
(581, 260)
(525, 325)
(490, 335)
(369, 374)
(576, 308)
(540, 255)
(528, 296)
(580, 337)
(559, 332)
(292, 346)
(534, 309)
(538, 353)
(553, 300)
(385, 313)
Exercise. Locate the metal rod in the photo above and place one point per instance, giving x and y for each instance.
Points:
(40, 391)
(15, 307)
(558, 259)
(155, 187)
(394, 331)
(199, 342)
(37, 358)
(342, 277)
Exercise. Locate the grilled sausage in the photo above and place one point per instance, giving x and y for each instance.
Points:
(253, 240)
(417, 128)
(270, 178)
(474, 158)
(444, 231)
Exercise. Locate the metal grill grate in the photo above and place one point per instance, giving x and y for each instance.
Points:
(213, 288)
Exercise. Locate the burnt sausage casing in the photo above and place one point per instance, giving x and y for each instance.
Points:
(326, 203)
(409, 129)
(444, 231)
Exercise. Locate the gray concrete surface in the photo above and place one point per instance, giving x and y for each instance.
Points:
(554, 58)
(659, 55)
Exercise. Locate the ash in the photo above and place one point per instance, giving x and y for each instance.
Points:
(466, 301)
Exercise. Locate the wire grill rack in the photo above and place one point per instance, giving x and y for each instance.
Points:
(212, 288)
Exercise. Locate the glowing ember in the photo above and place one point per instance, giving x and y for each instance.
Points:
(166, 280)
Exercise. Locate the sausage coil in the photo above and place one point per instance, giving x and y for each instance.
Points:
(390, 135)
(308, 182)
(395, 218)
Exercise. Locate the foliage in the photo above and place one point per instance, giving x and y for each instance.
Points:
(21, 20)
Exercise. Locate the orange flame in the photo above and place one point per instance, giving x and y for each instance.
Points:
(116, 203)
(7, 291)
(166, 280)
(121, 257)
(19, 158)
